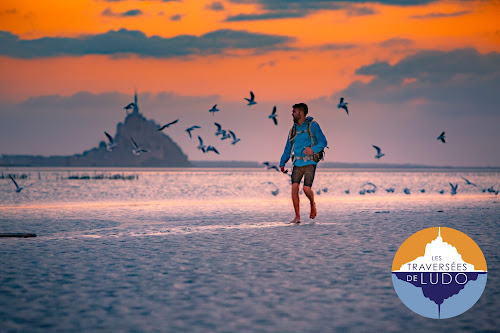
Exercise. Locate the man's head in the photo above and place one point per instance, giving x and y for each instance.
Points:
(299, 110)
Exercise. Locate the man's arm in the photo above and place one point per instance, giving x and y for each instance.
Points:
(320, 138)
(286, 153)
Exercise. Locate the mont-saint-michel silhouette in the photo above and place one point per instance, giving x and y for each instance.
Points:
(162, 151)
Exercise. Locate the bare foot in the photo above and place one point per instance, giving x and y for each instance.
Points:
(295, 220)
(313, 211)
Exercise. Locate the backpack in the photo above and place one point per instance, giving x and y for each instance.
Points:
(319, 156)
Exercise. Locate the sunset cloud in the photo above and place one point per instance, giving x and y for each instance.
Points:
(216, 6)
(267, 16)
(126, 41)
(326, 4)
(397, 42)
(441, 15)
(462, 77)
(128, 13)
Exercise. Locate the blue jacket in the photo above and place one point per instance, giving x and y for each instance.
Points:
(302, 140)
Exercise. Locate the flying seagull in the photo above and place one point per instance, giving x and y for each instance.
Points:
(269, 166)
(18, 188)
(165, 126)
(235, 139)
(453, 188)
(273, 116)
(225, 135)
(379, 153)
(213, 109)
(137, 150)
(210, 148)
(468, 182)
(201, 146)
(343, 105)
(130, 106)
(111, 144)
(219, 129)
(441, 137)
(251, 100)
(190, 129)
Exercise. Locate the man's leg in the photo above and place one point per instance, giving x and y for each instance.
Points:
(308, 181)
(295, 200)
(310, 195)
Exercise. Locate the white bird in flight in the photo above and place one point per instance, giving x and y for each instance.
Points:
(219, 129)
(468, 182)
(130, 106)
(111, 144)
(251, 100)
(273, 116)
(441, 137)
(137, 150)
(213, 109)
(18, 188)
(343, 105)
(201, 146)
(167, 125)
(454, 188)
(211, 148)
(235, 139)
(225, 135)
(190, 129)
(379, 152)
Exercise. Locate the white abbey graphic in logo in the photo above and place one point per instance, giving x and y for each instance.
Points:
(440, 284)
(439, 256)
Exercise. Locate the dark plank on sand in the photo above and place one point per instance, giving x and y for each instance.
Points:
(23, 235)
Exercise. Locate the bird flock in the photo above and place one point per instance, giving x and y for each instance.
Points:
(223, 133)
(229, 134)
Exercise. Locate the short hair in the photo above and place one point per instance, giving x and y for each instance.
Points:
(302, 107)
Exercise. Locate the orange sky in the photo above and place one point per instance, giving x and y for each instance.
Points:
(307, 72)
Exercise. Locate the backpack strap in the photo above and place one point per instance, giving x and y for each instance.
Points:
(310, 133)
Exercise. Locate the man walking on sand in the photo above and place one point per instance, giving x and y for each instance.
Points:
(305, 145)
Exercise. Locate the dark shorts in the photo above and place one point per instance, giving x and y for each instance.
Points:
(306, 171)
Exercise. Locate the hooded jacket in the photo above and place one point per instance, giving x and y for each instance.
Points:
(302, 140)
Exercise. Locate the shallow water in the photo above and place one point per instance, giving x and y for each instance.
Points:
(205, 250)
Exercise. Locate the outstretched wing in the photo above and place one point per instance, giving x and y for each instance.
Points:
(135, 144)
(275, 121)
(172, 122)
(232, 134)
(15, 183)
(274, 110)
(377, 148)
(219, 127)
(341, 100)
(109, 137)
(201, 140)
(212, 149)
(252, 96)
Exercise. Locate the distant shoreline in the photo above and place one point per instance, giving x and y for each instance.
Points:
(259, 165)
